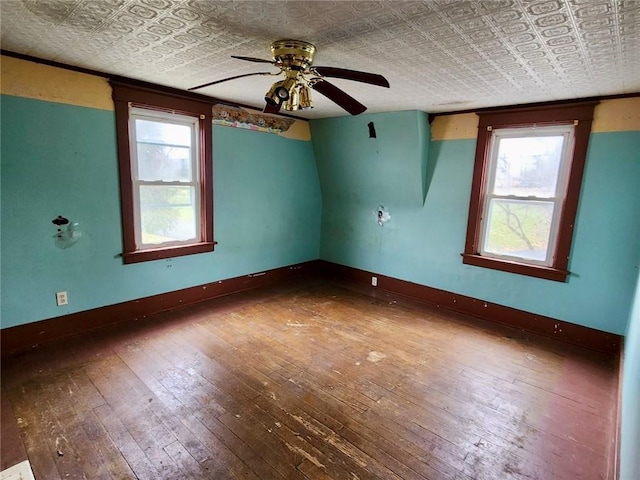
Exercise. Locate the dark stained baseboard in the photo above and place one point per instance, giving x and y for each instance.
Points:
(530, 322)
(25, 337)
(614, 451)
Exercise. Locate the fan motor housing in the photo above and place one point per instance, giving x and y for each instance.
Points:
(293, 54)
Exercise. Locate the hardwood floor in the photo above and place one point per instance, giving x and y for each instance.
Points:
(309, 381)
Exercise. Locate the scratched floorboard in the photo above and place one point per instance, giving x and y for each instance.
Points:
(311, 381)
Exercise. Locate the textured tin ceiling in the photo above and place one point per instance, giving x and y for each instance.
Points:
(438, 55)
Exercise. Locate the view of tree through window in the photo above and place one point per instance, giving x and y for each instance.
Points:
(521, 195)
(525, 188)
(166, 214)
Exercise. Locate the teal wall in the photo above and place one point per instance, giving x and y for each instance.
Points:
(422, 243)
(360, 169)
(358, 173)
(59, 159)
(630, 435)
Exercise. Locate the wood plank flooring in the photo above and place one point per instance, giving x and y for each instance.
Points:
(309, 381)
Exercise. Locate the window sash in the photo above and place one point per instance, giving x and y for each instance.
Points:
(137, 113)
(567, 134)
(552, 234)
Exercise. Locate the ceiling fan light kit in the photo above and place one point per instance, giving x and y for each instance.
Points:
(294, 58)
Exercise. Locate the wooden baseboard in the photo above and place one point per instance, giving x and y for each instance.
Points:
(24, 337)
(614, 453)
(512, 317)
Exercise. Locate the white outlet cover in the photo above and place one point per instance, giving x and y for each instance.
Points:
(62, 298)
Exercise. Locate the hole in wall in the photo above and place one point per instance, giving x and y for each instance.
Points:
(372, 130)
(382, 216)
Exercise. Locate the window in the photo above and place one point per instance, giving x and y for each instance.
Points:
(525, 190)
(164, 151)
(164, 154)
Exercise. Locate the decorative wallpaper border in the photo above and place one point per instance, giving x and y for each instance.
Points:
(240, 118)
(39, 81)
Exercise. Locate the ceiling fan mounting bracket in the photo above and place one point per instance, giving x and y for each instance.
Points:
(293, 54)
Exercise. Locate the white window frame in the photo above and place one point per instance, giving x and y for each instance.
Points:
(567, 132)
(136, 113)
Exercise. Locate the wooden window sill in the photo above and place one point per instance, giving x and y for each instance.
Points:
(167, 252)
(548, 273)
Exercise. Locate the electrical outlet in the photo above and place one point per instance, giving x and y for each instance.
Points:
(62, 298)
(374, 281)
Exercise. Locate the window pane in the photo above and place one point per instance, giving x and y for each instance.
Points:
(518, 228)
(163, 133)
(528, 166)
(168, 214)
(159, 162)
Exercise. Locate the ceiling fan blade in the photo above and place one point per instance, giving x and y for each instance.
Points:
(229, 78)
(253, 59)
(272, 108)
(364, 77)
(338, 96)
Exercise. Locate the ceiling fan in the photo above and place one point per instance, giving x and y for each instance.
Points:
(294, 58)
